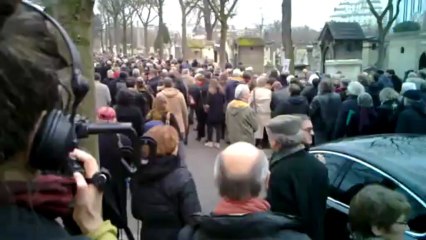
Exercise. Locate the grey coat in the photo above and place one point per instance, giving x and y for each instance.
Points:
(323, 111)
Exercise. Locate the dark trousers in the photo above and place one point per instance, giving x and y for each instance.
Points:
(201, 123)
(217, 128)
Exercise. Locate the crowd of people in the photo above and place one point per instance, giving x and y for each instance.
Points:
(236, 107)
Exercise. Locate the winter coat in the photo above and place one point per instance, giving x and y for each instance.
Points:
(176, 105)
(103, 96)
(348, 108)
(278, 97)
(309, 93)
(240, 122)
(362, 122)
(18, 223)
(412, 119)
(293, 105)
(110, 158)
(374, 90)
(216, 109)
(164, 198)
(298, 186)
(153, 84)
(253, 226)
(323, 111)
(260, 102)
(112, 86)
(231, 85)
(387, 115)
(131, 114)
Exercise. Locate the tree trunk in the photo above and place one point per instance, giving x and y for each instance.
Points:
(184, 37)
(102, 39)
(132, 42)
(286, 33)
(207, 20)
(222, 50)
(124, 38)
(76, 17)
(381, 50)
(160, 23)
(145, 38)
(109, 33)
(116, 34)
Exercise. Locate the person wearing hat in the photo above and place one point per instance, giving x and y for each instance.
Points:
(298, 183)
(413, 118)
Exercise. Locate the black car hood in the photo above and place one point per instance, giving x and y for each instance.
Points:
(246, 226)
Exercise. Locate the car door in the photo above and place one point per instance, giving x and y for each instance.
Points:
(336, 213)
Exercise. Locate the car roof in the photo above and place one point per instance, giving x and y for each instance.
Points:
(401, 156)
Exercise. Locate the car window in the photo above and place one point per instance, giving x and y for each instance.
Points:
(417, 218)
(357, 177)
(334, 164)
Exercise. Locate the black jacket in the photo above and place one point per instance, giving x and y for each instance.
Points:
(309, 93)
(298, 186)
(349, 106)
(216, 111)
(131, 114)
(293, 105)
(412, 119)
(323, 112)
(259, 226)
(164, 198)
(387, 115)
(20, 223)
(279, 97)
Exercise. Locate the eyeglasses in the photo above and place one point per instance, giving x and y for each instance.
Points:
(401, 223)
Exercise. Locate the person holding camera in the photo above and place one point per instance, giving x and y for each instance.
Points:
(31, 199)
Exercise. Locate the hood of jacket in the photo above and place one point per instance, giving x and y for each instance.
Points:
(297, 100)
(248, 226)
(157, 169)
(236, 106)
(170, 92)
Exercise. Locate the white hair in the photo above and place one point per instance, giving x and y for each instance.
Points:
(136, 72)
(408, 86)
(355, 88)
(110, 73)
(261, 81)
(237, 73)
(241, 90)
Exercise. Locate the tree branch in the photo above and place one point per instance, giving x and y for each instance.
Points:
(214, 8)
(231, 9)
(191, 7)
(393, 17)
(372, 10)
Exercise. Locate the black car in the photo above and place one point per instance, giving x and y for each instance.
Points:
(397, 162)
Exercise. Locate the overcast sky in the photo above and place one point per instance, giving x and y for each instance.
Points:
(313, 13)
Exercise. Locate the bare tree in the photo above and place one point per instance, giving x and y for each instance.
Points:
(126, 14)
(159, 4)
(390, 12)
(223, 10)
(77, 18)
(209, 25)
(186, 7)
(145, 10)
(113, 8)
(286, 33)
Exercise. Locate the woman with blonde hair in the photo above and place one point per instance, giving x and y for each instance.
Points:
(164, 195)
(215, 108)
(160, 112)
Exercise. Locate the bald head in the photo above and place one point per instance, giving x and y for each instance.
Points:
(241, 171)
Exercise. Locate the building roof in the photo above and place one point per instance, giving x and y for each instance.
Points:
(343, 31)
(250, 42)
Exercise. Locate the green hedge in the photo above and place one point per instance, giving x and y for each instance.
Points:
(406, 27)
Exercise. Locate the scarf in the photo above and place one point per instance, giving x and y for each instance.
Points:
(49, 195)
(254, 205)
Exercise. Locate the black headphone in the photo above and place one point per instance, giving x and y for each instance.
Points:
(56, 136)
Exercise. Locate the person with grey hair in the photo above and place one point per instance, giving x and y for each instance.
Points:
(299, 182)
(324, 110)
(260, 101)
(388, 111)
(176, 104)
(412, 119)
(342, 89)
(348, 109)
(240, 118)
(241, 174)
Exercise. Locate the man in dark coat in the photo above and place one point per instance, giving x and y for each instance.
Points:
(295, 104)
(241, 173)
(298, 184)
(309, 92)
(323, 111)
(348, 109)
(279, 95)
(413, 118)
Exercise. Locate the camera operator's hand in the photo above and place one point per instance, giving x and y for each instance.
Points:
(88, 199)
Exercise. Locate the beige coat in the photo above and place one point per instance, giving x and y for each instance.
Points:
(177, 105)
(260, 100)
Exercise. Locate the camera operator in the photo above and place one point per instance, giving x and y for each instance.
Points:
(30, 201)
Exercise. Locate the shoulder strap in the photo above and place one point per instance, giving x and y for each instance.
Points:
(167, 122)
